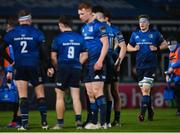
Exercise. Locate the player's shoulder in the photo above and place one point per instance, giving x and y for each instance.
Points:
(154, 31)
(77, 36)
(178, 46)
(115, 27)
(136, 32)
(35, 29)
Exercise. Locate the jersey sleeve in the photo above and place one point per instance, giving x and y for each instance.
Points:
(84, 47)
(118, 35)
(132, 40)
(11, 53)
(54, 46)
(160, 37)
(7, 38)
(41, 37)
(102, 30)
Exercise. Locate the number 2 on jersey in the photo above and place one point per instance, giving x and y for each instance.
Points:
(71, 52)
(24, 47)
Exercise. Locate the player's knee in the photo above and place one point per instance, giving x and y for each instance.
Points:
(23, 102)
(145, 91)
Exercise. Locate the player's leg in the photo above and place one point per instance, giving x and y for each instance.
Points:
(117, 103)
(75, 94)
(18, 118)
(143, 105)
(36, 79)
(107, 87)
(14, 121)
(23, 101)
(88, 108)
(21, 78)
(93, 107)
(85, 78)
(60, 109)
(61, 85)
(100, 101)
(146, 85)
(107, 92)
(42, 106)
(151, 74)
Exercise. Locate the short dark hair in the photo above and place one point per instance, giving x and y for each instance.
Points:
(66, 20)
(23, 12)
(84, 5)
(98, 9)
(107, 14)
(144, 16)
(12, 21)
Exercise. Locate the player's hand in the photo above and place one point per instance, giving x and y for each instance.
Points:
(117, 64)
(50, 72)
(12, 64)
(98, 65)
(153, 48)
(9, 76)
(137, 47)
(167, 78)
(170, 70)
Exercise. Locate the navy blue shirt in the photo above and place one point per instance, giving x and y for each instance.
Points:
(92, 33)
(114, 33)
(25, 41)
(146, 58)
(68, 46)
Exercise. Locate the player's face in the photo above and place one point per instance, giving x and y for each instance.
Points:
(85, 14)
(143, 24)
(61, 27)
(28, 22)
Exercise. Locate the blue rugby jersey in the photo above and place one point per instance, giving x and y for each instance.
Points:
(25, 40)
(145, 58)
(92, 33)
(68, 46)
(114, 33)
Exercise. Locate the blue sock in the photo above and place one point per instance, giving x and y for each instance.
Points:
(43, 110)
(101, 102)
(144, 104)
(150, 105)
(117, 115)
(89, 115)
(24, 108)
(77, 117)
(94, 113)
(108, 113)
(60, 121)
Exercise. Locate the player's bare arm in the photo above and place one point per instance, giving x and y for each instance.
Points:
(105, 43)
(130, 48)
(83, 57)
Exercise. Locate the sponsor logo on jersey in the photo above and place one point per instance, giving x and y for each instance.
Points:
(90, 29)
(103, 29)
(59, 84)
(97, 77)
(137, 37)
(150, 36)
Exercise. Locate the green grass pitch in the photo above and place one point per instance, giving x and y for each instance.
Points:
(165, 121)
